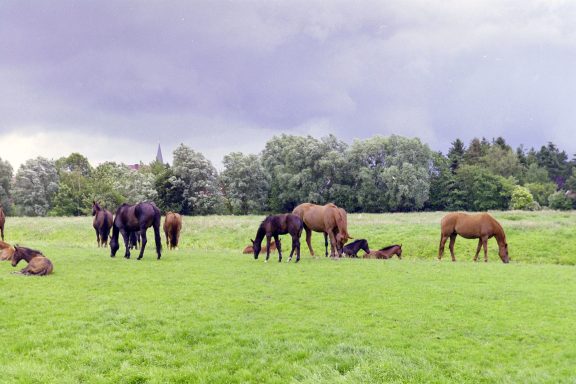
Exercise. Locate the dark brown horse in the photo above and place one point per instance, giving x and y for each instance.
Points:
(386, 252)
(479, 226)
(275, 225)
(2, 221)
(172, 227)
(38, 264)
(354, 247)
(250, 249)
(139, 217)
(328, 219)
(102, 223)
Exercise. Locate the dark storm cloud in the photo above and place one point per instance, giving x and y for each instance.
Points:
(224, 76)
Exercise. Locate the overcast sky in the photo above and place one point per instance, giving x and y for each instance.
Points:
(112, 79)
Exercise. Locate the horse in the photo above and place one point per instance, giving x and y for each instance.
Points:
(6, 251)
(2, 221)
(386, 252)
(38, 264)
(330, 220)
(479, 226)
(138, 217)
(275, 225)
(102, 223)
(250, 249)
(354, 247)
(172, 227)
(134, 240)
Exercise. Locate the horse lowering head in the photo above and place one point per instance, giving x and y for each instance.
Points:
(503, 253)
(114, 243)
(256, 247)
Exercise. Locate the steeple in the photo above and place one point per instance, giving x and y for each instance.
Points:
(159, 155)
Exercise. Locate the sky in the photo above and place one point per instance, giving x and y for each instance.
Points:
(113, 79)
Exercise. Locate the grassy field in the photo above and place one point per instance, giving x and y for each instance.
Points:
(209, 314)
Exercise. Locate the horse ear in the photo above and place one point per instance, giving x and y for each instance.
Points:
(252, 241)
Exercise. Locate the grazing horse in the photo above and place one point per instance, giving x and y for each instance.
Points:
(2, 221)
(102, 223)
(479, 226)
(386, 252)
(131, 218)
(250, 249)
(275, 225)
(172, 227)
(354, 247)
(38, 264)
(330, 220)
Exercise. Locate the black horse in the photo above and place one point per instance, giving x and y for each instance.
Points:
(355, 246)
(275, 225)
(134, 240)
(133, 218)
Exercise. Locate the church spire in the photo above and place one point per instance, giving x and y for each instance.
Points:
(159, 155)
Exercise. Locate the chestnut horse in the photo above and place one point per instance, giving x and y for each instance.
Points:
(6, 251)
(172, 227)
(102, 223)
(250, 249)
(275, 225)
(38, 264)
(479, 226)
(386, 252)
(330, 220)
(2, 221)
(139, 217)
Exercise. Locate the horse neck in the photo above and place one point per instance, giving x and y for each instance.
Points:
(260, 234)
(499, 234)
(341, 224)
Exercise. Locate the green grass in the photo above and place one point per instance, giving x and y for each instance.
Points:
(209, 314)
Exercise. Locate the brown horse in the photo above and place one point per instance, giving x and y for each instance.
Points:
(330, 220)
(386, 252)
(6, 251)
(250, 249)
(275, 225)
(479, 226)
(131, 218)
(102, 223)
(172, 227)
(38, 264)
(2, 221)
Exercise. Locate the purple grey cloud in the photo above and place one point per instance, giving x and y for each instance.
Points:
(112, 78)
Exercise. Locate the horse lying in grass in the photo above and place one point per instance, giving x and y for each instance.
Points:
(38, 264)
(386, 252)
(250, 249)
(6, 251)
(352, 249)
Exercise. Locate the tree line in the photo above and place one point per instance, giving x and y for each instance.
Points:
(379, 174)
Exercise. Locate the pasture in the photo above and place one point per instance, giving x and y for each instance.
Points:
(207, 313)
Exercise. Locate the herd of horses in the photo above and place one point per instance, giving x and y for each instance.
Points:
(132, 222)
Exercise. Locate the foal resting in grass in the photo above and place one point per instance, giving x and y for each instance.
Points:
(275, 225)
(38, 264)
(386, 252)
(479, 226)
(354, 247)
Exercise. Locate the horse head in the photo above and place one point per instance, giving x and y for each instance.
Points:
(95, 207)
(257, 247)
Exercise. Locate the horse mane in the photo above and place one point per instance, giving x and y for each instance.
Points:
(389, 247)
(340, 222)
(28, 251)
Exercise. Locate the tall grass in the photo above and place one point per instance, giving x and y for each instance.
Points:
(207, 313)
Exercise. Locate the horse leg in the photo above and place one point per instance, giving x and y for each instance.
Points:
(144, 241)
(2, 231)
(158, 241)
(478, 249)
(485, 243)
(293, 247)
(326, 245)
(451, 246)
(97, 238)
(441, 248)
(308, 239)
(268, 247)
(126, 237)
(333, 246)
(167, 239)
(278, 247)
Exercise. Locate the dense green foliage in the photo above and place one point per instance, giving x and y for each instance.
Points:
(378, 174)
(207, 313)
